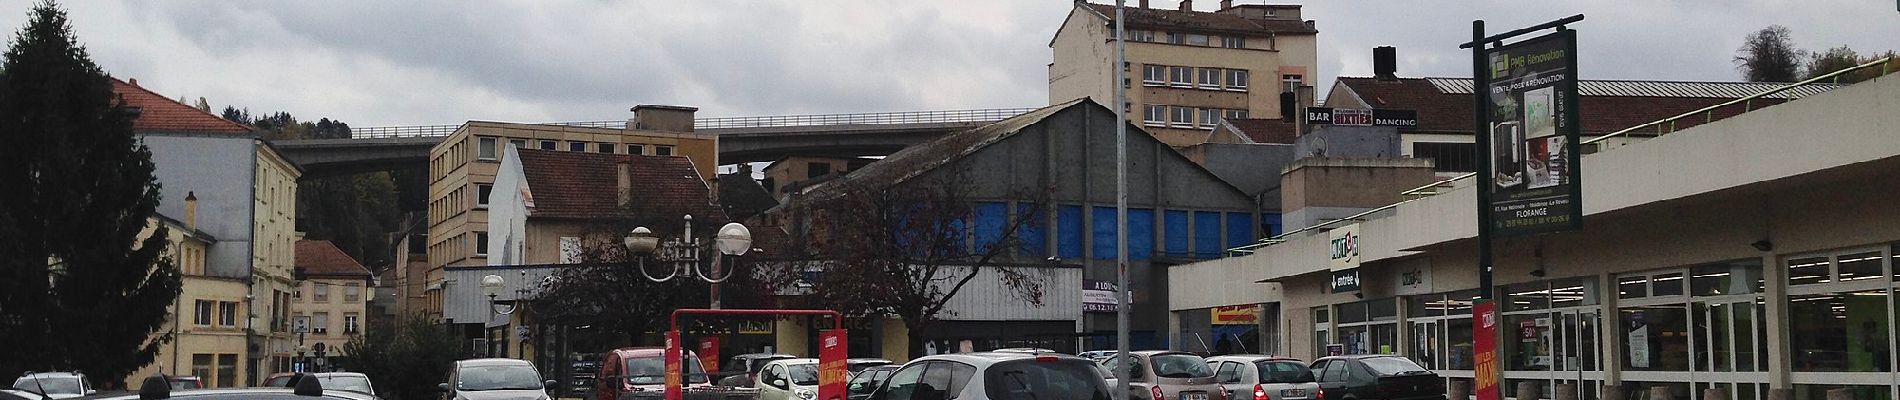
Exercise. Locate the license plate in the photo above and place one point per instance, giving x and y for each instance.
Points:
(1194, 396)
(1293, 393)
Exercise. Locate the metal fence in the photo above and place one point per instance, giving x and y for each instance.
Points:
(885, 118)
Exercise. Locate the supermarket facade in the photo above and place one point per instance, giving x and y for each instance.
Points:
(1753, 253)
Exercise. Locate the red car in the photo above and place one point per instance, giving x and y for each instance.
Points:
(640, 372)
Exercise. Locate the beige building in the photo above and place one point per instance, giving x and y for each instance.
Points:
(796, 171)
(1186, 69)
(207, 338)
(462, 172)
(274, 252)
(331, 299)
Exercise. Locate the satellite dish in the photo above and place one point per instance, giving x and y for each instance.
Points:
(1319, 147)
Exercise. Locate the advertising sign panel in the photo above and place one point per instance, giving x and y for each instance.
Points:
(1098, 296)
(673, 366)
(831, 366)
(1236, 315)
(709, 353)
(1345, 247)
(1533, 134)
(1361, 117)
(1484, 340)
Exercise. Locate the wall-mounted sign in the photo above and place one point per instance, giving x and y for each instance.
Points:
(1098, 296)
(1531, 101)
(1236, 315)
(1361, 117)
(1345, 281)
(1344, 247)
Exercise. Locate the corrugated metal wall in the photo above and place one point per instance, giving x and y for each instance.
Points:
(986, 298)
(463, 301)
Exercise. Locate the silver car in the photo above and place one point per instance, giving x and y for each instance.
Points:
(55, 385)
(995, 376)
(495, 379)
(1168, 375)
(1259, 377)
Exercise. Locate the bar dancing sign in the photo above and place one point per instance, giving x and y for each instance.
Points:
(1532, 100)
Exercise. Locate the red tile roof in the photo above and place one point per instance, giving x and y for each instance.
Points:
(1451, 112)
(1198, 21)
(587, 185)
(1265, 131)
(158, 113)
(322, 258)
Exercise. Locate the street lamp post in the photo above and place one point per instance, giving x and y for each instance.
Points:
(682, 254)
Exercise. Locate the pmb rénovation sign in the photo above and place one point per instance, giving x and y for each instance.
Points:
(1531, 100)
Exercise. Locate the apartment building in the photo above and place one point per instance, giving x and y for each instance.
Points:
(462, 173)
(331, 299)
(1187, 70)
(208, 338)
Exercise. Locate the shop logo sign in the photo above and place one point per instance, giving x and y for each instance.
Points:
(1345, 247)
(1345, 281)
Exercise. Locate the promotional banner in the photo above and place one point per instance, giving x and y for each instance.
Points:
(1098, 296)
(1532, 109)
(1485, 348)
(673, 366)
(1236, 315)
(831, 367)
(709, 353)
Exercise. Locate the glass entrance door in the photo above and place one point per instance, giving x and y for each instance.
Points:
(1728, 346)
(1553, 348)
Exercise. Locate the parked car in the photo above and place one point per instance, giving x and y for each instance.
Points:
(157, 387)
(854, 365)
(640, 372)
(1259, 377)
(495, 379)
(1030, 350)
(186, 382)
(1168, 375)
(55, 385)
(351, 381)
(743, 369)
(1376, 376)
(866, 382)
(1097, 355)
(995, 376)
(788, 379)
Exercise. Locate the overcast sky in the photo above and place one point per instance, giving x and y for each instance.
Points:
(375, 63)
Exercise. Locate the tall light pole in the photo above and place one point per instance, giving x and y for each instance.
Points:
(682, 254)
(1121, 203)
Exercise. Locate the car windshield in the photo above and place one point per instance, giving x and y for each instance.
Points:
(803, 374)
(346, 382)
(1180, 366)
(48, 385)
(279, 381)
(652, 371)
(1389, 366)
(498, 377)
(1284, 372)
(1044, 380)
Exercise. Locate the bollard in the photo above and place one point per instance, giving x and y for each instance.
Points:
(1780, 394)
(1565, 391)
(1527, 390)
(1660, 393)
(1610, 392)
(1458, 390)
(1840, 394)
(1715, 394)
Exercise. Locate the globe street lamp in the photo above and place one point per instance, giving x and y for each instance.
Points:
(492, 286)
(682, 255)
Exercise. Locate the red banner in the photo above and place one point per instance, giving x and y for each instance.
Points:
(1484, 318)
(673, 366)
(709, 353)
(831, 366)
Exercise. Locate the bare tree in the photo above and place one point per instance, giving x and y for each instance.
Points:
(906, 247)
(1769, 55)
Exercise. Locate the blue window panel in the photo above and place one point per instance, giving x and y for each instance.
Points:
(1270, 223)
(1141, 233)
(1105, 224)
(1069, 232)
(1239, 229)
(1174, 227)
(992, 218)
(1030, 236)
(1207, 242)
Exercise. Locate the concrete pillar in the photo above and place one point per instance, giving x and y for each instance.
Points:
(1610, 392)
(1660, 393)
(1840, 394)
(1715, 394)
(1609, 333)
(1781, 394)
(1458, 390)
(1565, 391)
(1775, 279)
(1527, 390)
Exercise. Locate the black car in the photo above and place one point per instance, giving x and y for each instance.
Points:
(1376, 376)
(865, 382)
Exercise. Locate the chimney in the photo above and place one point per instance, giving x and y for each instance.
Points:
(134, 82)
(1385, 63)
(1226, 4)
(625, 185)
(1187, 5)
(1142, 4)
(191, 210)
(662, 118)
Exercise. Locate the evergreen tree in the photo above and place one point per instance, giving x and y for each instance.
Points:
(1769, 55)
(78, 289)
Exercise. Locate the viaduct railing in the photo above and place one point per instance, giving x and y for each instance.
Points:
(883, 118)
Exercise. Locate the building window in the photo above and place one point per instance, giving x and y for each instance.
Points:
(1448, 157)
(577, 146)
(352, 292)
(227, 370)
(1181, 117)
(606, 148)
(1141, 36)
(201, 364)
(1209, 116)
(637, 149)
(227, 313)
(662, 150)
(204, 313)
(296, 293)
(349, 323)
(1290, 83)
(321, 292)
(1155, 115)
(487, 149)
(481, 243)
(1210, 78)
(1177, 38)
(482, 190)
(1181, 76)
(1233, 42)
(1234, 114)
(519, 143)
(547, 145)
(1154, 75)
(320, 323)
(1197, 40)
(1237, 80)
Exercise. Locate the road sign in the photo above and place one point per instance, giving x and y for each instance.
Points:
(300, 324)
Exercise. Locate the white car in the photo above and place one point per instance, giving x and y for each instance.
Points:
(995, 376)
(1258, 377)
(55, 385)
(788, 379)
